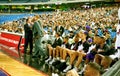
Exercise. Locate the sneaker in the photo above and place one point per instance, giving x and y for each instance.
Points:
(53, 60)
(53, 74)
(48, 59)
(56, 74)
(56, 62)
(68, 68)
(61, 66)
(75, 68)
(81, 72)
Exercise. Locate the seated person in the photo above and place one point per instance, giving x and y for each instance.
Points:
(51, 49)
(103, 58)
(99, 41)
(59, 52)
(90, 56)
(59, 49)
(92, 69)
(74, 53)
(82, 54)
(50, 52)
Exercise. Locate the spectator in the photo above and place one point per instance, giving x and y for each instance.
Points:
(92, 69)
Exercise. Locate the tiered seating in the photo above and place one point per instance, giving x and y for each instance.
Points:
(5, 18)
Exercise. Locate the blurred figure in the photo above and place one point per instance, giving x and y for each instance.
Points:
(38, 33)
(117, 43)
(28, 37)
(59, 29)
(58, 42)
(92, 69)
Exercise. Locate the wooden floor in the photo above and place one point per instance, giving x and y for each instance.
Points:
(16, 68)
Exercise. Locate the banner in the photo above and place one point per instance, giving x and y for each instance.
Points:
(9, 43)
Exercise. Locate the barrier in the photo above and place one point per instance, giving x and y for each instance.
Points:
(11, 43)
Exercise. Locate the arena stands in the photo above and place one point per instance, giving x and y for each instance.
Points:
(84, 23)
(13, 17)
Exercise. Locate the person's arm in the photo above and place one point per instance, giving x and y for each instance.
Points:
(38, 29)
(118, 29)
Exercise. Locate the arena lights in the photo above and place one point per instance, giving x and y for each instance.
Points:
(58, 3)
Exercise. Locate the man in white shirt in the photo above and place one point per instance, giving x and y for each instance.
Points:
(119, 13)
(117, 43)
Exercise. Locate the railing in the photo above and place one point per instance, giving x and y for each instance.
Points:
(12, 43)
(48, 2)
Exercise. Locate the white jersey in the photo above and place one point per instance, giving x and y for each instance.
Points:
(119, 13)
(117, 43)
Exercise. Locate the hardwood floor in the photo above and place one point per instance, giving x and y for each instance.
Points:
(16, 68)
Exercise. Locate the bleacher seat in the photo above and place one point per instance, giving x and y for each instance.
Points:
(13, 17)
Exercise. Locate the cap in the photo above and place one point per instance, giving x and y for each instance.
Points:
(90, 40)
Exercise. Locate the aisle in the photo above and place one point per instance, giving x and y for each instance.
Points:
(16, 68)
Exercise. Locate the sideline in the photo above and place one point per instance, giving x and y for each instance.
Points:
(16, 68)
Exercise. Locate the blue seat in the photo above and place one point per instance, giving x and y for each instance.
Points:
(13, 17)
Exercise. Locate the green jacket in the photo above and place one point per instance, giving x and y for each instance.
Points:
(37, 30)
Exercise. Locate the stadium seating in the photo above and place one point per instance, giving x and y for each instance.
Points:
(13, 17)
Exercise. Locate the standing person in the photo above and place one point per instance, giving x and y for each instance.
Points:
(28, 37)
(37, 36)
(117, 44)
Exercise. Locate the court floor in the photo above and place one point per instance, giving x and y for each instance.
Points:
(17, 68)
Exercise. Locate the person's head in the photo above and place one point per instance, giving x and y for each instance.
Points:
(33, 19)
(82, 36)
(37, 16)
(57, 34)
(66, 39)
(92, 69)
(90, 40)
(76, 38)
(87, 28)
(28, 20)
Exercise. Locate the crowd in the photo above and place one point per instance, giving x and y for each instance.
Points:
(14, 26)
(81, 37)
